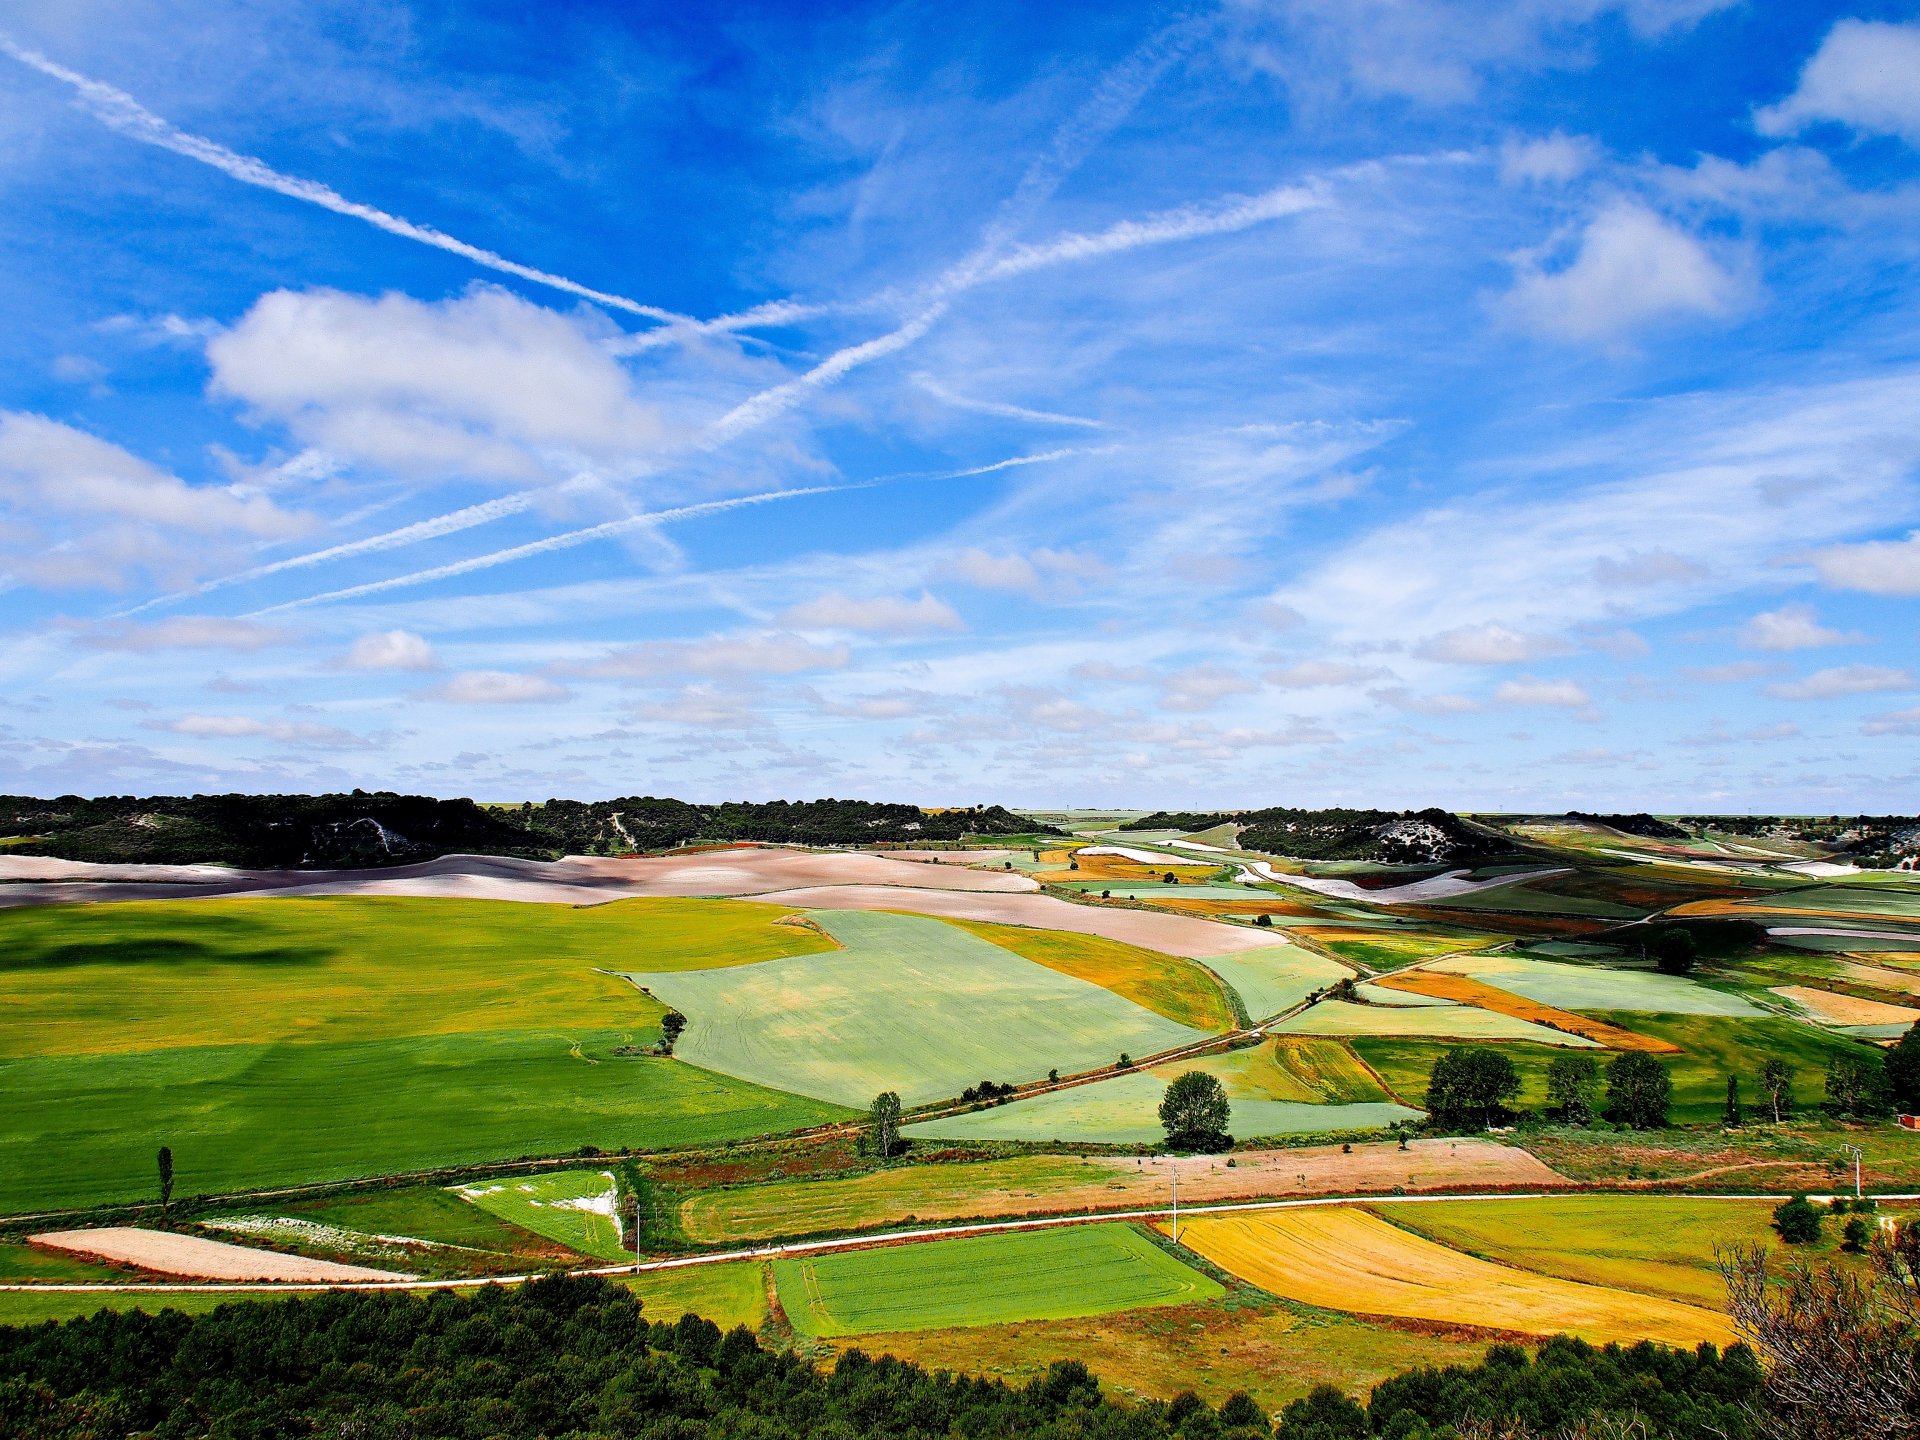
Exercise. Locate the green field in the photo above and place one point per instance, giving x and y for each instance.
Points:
(1275, 977)
(1713, 1047)
(572, 1207)
(728, 1292)
(1179, 990)
(912, 1005)
(273, 1042)
(1596, 987)
(30, 1265)
(423, 1212)
(22, 1307)
(1657, 1245)
(985, 1280)
(1459, 1022)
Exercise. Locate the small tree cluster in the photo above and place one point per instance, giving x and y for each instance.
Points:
(990, 1091)
(1469, 1087)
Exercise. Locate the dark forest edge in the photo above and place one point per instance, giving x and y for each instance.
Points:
(373, 828)
(575, 1357)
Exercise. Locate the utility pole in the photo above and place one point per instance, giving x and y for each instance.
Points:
(1857, 1156)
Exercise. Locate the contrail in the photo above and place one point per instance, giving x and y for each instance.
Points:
(569, 539)
(996, 407)
(119, 111)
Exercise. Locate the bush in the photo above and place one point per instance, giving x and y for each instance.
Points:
(1856, 1234)
(1798, 1221)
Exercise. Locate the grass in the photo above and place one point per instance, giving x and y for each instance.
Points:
(424, 1212)
(729, 1293)
(1323, 1071)
(30, 1265)
(1597, 987)
(575, 1208)
(985, 1280)
(1655, 1244)
(146, 976)
(912, 1005)
(1712, 1047)
(1349, 1259)
(1390, 949)
(786, 1208)
(21, 1307)
(79, 1130)
(1124, 1110)
(1275, 977)
(1454, 1022)
(1177, 989)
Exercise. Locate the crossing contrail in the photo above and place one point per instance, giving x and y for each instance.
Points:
(119, 111)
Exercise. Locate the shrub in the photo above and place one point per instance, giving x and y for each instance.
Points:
(1856, 1234)
(1798, 1221)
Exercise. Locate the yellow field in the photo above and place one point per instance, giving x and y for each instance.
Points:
(1180, 990)
(1838, 1009)
(1347, 1259)
(1292, 1067)
(1445, 986)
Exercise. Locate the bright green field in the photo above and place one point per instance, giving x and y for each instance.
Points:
(1275, 977)
(985, 1280)
(728, 1292)
(1714, 1047)
(1657, 1245)
(1461, 1022)
(279, 1041)
(20, 1307)
(912, 1005)
(569, 1206)
(1594, 987)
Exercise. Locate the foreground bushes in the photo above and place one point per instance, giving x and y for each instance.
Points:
(575, 1358)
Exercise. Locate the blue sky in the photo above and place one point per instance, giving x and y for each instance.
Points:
(1341, 401)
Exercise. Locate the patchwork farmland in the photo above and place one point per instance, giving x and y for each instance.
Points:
(668, 1068)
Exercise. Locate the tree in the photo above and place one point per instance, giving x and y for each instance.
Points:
(1573, 1084)
(1639, 1091)
(1195, 1113)
(1675, 951)
(1855, 1087)
(165, 1158)
(1469, 1086)
(1776, 1079)
(1855, 1234)
(1798, 1221)
(1902, 1069)
(883, 1124)
(1731, 1118)
(1325, 1414)
(672, 1024)
(1265, 920)
(1239, 1410)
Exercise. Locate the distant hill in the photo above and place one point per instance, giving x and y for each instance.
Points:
(1402, 837)
(366, 829)
(1642, 824)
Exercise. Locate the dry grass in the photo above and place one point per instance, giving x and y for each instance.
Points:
(1177, 989)
(1837, 1009)
(1347, 1259)
(1468, 991)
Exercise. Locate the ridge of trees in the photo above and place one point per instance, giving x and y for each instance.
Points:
(1394, 837)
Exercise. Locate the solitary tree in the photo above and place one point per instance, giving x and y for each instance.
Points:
(1732, 1118)
(166, 1180)
(1639, 1091)
(1903, 1072)
(883, 1124)
(1573, 1085)
(1675, 951)
(1195, 1112)
(1469, 1086)
(671, 1025)
(1776, 1078)
(1798, 1221)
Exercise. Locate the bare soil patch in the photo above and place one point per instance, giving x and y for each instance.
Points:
(195, 1258)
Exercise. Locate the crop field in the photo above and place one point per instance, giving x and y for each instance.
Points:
(1374, 993)
(433, 1215)
(911, 1005)
(1454, 1022)
(1832, 1008)
(1176, 989)
(1468, 991)
(576, 1208)
(1658, 1245)
(1349, 1259)
(1124, 1110)
(728, 1292)
(1276, 978)
(81, 1129)
(1595, 987)
(1390, 949)
(984, 1280)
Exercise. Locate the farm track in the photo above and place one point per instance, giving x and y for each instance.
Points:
(879, 1238)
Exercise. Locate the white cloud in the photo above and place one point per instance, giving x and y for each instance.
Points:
(1633, 269)
(1491, 644)
(1865, 75)
(707, 707)
(1879, 567)
(485, 384)
(1549, 160)
(1528, 690)
(1398, 697)
(1791, 627)
(1731, 673)
(493, 687)
(246, 727)
(1842, 680)
(1105, 672)
(184, 632)
(391, 650)
(767, 653)
(1311, 673)
(1201, 687)
(876, 615)
(1039, 573)
(88, 513)
(1894, 722)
